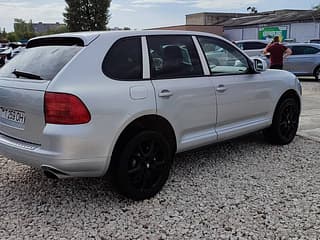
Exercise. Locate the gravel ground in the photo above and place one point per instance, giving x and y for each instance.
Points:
(242, 189)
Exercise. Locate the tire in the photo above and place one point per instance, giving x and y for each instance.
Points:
(142, 166)
(317, 73)
(2, 61)
(284, 124)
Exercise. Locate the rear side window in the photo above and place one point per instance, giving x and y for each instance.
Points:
(44, 62)
(173, 57)
(124, 60)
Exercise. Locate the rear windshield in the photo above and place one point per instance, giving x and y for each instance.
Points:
(43, 61)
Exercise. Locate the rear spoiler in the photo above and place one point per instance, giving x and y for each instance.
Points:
(55, 41)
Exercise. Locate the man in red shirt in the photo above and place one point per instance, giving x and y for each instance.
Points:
(277, 53)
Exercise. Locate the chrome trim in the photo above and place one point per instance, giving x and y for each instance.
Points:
(17, 143)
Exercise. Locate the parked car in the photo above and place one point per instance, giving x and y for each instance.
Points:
(314, 41)
(16, 47)
(252, 47)
(82, 104)
(2, 59)
(5, 53)
(304, 61)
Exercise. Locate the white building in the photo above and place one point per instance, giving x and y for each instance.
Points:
(299, 25)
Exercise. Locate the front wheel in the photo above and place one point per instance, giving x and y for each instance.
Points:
(142, 167)
(285, 123)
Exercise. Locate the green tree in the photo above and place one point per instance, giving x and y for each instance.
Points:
(12, 37)
(3, 34)
(87, 15)
(23, 30)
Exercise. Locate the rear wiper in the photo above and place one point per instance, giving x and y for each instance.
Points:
(26, 75)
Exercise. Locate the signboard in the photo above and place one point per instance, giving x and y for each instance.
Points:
(267, 33)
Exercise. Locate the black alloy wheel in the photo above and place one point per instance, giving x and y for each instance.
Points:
(285, 123)
(289, 120)
(143, 165)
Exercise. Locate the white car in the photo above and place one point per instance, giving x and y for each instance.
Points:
(82, 104)
(5, 54)
(252, 47)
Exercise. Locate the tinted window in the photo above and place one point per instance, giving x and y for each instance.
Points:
(300, 50)
(253, 45)
(124, 60)
(315, 41)
(45, 61)
(173, 57)
(222, 57)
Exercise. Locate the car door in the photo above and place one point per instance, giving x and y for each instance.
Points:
(184, 96)
(302, 61)
(244, 99)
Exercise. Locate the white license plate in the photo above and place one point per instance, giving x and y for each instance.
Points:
(12, 115)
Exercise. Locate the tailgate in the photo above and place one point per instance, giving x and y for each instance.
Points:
(23, 81)
(22, 109)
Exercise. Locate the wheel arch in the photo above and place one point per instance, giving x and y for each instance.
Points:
(315, 69)
(146, 122)
(289, 93)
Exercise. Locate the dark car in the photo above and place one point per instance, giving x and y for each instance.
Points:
(314, 41)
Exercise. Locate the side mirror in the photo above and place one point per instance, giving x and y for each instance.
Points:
(259, 64)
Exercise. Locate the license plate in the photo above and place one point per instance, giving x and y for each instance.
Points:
(12, 115)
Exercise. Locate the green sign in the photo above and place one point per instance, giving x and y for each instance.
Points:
(267, 33)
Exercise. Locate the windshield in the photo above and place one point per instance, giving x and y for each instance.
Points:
(44, 61)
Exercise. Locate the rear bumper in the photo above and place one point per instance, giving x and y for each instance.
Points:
(33, 155)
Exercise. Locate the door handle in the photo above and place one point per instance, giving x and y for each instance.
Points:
(221, 88)
(165, 93)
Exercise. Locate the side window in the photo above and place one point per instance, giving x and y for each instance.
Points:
(173, 57)
(254, 45)
(240, 45)
(222, 57)
(124, 60)
(300, 50)
(310, 50)
(294, 50)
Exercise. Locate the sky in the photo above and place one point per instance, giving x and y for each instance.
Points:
(140, 14)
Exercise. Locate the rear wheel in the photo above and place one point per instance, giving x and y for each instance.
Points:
(285, 123)
(142, 167)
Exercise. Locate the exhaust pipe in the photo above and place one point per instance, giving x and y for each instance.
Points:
(53, 173)
(50, 175)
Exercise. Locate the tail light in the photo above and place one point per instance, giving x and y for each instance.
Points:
(63, 108)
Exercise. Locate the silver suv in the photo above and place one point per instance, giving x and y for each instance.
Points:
(79, 104)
